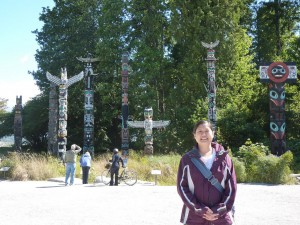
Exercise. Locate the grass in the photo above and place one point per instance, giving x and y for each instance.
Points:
(31, 166)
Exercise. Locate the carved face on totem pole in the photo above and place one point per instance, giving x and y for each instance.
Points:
(148, 113)
(278, 72)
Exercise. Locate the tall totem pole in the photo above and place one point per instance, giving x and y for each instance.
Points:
(18, 124)
(277, 74)
(52, 124)
(63, 84)
(88, 138)
(211, 69)
(148, 124)
(125, 131)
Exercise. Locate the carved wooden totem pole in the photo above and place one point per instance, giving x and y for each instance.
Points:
(211, 69)
(148, 124)
(63, 84)
(52, 124)
(18, 124)
(125, 131)
(88, 138)
(277, 74)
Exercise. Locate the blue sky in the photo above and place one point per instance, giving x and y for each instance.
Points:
(18, 18)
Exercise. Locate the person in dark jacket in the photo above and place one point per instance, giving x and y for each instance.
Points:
(204, 204)
(85, 163)
(115, 166)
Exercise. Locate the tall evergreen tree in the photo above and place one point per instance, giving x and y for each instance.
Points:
(69, 31)
(207, 21)
(111, 36)
(275, 24)
(149, 81)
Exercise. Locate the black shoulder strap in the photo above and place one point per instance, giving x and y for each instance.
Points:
(206, 172)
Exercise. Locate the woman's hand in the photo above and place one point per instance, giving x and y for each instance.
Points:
(210, 216)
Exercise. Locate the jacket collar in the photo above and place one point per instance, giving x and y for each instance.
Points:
(217, 147)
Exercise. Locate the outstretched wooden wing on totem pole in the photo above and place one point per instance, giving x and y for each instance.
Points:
(63, 84)
(64, 80)
(148, 124)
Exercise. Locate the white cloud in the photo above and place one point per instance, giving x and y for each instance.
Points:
(25, 59)
(9, 90)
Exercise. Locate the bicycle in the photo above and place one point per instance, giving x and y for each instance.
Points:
(128, 176)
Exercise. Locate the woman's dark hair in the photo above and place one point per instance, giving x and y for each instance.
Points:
(201, 122)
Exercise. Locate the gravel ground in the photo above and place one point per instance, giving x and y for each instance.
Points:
(49, 203)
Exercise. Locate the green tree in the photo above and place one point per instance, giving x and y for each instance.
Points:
(167, 66)
(112, 35)
(150, 78)
(6, 119)
(235, 73)
(69, 31)
(3, 104)
(35, 123)
(274, 27)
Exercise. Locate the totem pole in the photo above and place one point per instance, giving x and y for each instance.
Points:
(148, 124)
(88, 138)
(211, 69)
(52, 124)
(125, 131)
(18, 124)
(277, 74)
(63, 84)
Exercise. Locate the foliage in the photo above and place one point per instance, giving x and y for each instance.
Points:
(263, 167)
(167, 68)
(69, 31)
(36, 127)
(6, 119)
(167, 164)
(236, 125)
(250, 152)
(30, 166)
(6, 123)
(272, 169)
(3, 103)
(253, 165)
(240, 170)
(275, 24)
(294, 147)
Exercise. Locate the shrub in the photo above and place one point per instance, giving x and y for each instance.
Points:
(272, 169)
(294, 147)
(263, 167)
(240, 170)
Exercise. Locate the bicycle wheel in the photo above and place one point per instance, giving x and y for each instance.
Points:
(130, 177)
(105, 177)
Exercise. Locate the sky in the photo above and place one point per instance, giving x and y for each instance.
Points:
(18, 18)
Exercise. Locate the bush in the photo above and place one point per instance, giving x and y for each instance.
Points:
(273, 169)
(294, 147)
(262, 167)
(240, 170)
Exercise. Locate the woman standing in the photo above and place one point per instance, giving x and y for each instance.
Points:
(206, 181)
(85, 163)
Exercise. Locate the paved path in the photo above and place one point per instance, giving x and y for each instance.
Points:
(51, 203)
